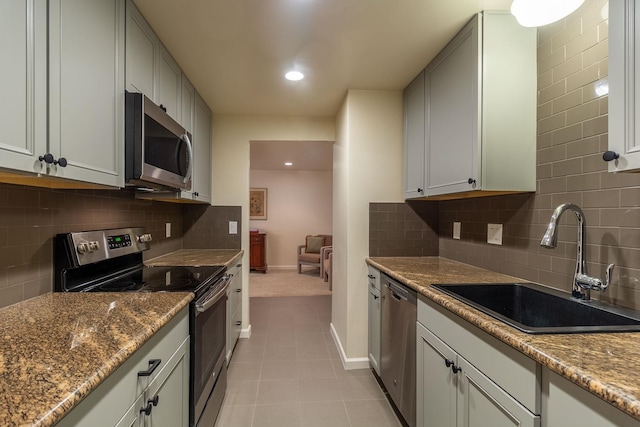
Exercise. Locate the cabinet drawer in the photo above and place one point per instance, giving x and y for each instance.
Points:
(114, 396)
(517, 374)
(256, 238)
(374, 277)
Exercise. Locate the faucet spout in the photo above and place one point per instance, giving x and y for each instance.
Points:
(582, 283)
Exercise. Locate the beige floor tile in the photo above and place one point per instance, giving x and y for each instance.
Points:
(248, 353)
(341, 372)
(371, 413)
(280, 354)
(241, 393)
(323, 414)
(277, 416)
(281, 339)
(279, 371)
(319, 389)
(315, 369)
(244, 371)
(235, 416)
(312, 352)
(278, 392)
(309, 339)
(360, 388)
(309, 328)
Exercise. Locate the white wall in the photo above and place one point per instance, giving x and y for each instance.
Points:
(298, 203)
(367, 168)
(230, 163)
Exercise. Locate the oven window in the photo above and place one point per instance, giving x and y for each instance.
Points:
(210, 341)
(163, 149)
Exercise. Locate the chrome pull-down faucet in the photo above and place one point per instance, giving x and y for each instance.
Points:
(582, 282)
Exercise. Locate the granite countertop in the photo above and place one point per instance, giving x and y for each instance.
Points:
(59, 347)
(600, 363)
(197, 257)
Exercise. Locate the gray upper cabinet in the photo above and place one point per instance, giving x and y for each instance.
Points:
(23, 38)
(150, 68)
(414, 143)
(624, 84)
(479, 113)
(201, 188)
(86, 89)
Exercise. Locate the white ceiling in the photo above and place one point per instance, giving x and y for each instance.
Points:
(236, 52)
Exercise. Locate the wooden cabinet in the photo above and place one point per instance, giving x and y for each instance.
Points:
(624, 84)
(374, 318)
(234, 309)
(68, 123)
(120, 399)
(479, 113)
(414, 142)
(258, 252)
(465, 377)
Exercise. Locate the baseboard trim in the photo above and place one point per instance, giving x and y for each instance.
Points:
(245, 333)
(348, 363)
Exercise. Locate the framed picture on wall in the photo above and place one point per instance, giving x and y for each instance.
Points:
(258, 203)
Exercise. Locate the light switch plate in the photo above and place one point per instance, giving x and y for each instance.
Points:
(494, 234)
(168, 229)
(456, 230)
(233, 227)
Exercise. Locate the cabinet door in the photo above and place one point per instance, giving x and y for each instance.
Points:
(202, 146)
(168, 85)
(624, 85)
(482, 403)
(436, 383)
(141, 53)
(414, 143)
(23, 115)
(451, 91)
(133, 417)
(374, 323)
(171, 388)
(86, 89)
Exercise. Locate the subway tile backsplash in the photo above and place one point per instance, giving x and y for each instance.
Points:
(30, 218)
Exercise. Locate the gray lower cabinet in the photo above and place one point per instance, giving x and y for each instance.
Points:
(234, 309)
(375, 311)
(127, 398)
(467, 378)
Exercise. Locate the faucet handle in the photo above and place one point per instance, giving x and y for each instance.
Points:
(588, 282)
(607, 277)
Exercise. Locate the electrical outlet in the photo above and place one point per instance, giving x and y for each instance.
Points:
(233, 227)
(494, 234)
(456, 230)
(167, 229)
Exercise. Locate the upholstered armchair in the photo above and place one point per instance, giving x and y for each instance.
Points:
(326, 254)
(310, 253)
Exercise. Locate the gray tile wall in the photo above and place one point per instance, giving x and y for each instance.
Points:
(31, 217)
(399, 229)
(572, 135)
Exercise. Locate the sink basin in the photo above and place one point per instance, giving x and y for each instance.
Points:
(536, 309)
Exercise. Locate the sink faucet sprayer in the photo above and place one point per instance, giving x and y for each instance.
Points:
(581, 281)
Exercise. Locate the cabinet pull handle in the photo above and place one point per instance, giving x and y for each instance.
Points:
(374, 295)
(420, 190)
(610, 155)
(153, 364)
(239, 290)
(238, 323)
(147, 409)
(61, 161)
(455, 369)
(371, 276)
(154, 401)
(47, 158)
(448, 363)
(471, 181)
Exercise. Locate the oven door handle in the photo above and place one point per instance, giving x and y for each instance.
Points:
(213, 296)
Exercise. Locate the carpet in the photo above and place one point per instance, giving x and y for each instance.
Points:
(287, 283)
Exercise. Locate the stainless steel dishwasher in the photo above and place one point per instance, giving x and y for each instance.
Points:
(398, 347)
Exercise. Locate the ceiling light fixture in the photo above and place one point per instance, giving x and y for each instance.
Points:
(294, 76)
(536, 13)
(288, 164)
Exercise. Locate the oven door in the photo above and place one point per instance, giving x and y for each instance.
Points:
(209, 337)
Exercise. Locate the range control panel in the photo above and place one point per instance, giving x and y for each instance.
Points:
(99, 245)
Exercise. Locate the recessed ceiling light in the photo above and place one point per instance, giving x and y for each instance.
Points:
(294, 76)
(288, 164)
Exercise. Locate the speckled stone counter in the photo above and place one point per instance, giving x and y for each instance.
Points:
(59, 347)
(606, 364)
(198, 257)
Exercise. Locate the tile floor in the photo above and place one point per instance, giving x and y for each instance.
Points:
(289, 373)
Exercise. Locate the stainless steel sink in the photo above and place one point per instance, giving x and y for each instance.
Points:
(536, 309)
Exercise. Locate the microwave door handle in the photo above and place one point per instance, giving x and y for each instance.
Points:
(187, 176)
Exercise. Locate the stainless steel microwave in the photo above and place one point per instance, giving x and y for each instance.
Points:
(158, 150)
